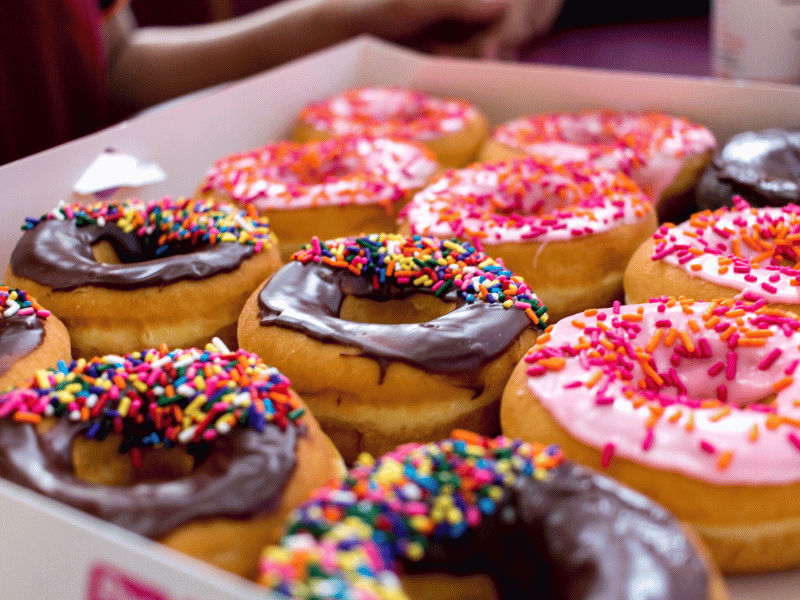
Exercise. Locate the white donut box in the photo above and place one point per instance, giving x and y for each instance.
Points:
(48, 550)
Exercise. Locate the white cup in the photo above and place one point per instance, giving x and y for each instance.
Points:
(756, 39)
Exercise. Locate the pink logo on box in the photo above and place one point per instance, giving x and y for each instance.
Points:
(109, 583)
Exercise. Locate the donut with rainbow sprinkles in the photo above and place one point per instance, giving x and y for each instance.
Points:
(206, 451)
(694, 403)
(392, 339)
(129, 274)
(477, 517)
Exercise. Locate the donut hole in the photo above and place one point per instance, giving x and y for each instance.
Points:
(131, 249)
(417, 308)
(104, 252)
(311, 172)
(101, 463)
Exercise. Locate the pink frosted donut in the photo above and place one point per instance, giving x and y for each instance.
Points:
(452, 129)
(693, 403)
(664, 155)
(343, 186)
(722, 254)
(571, 229)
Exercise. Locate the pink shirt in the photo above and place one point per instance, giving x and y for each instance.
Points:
(53, 74)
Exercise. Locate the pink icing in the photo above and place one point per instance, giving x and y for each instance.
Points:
(649, 147)
(339, 171)
(743, 248)
(618, 380)
(525, 199)
(388, 112)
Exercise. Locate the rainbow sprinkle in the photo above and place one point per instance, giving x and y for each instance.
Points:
(427, 264)
(15, 302)
(157, 398)
(391, 507)
(168, 225)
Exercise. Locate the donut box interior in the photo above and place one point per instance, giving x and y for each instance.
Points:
(47, 549)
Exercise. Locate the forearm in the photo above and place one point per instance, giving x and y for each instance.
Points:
(152, 64)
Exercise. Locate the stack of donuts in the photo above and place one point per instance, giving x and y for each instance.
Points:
(199, 370)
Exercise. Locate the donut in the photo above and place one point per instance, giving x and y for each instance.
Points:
(453, 129)
(722, 254)
(204, 450)
(391, 339)
(131, 274)
(30, 338)
(342, 186)
(693, 403)
(475, 517)
(760, 166)
(570, 229)
(665, 155)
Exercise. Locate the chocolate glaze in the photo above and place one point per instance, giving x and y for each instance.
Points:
(241, 477)
(307, 298)
(578, 535)
(59, 254)
(761, 166)
(19, 336)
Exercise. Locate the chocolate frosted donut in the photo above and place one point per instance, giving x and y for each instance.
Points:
(393, 339)
(761, 166)
(120, 274)
(517, 514)
(30, 337)
(106, 437)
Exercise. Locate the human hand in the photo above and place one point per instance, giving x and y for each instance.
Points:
(395, 19)
(523, 21)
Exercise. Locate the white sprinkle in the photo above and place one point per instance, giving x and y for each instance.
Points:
(223, 427)
(186, 390)
(12, 309)
(344, 497)
(220, 345)
(75, 415)
(185, 436)
(298, 541)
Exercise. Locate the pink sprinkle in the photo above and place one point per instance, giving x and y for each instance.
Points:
(647, 442)
(706, 447)
(792, 366)
(770, 359)
(794, 439)
(769, 287)
(574, 384)
(722, 393)
(716, 368)
(608, 453)
(730, 368)
(616, 307)
(603, 400)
